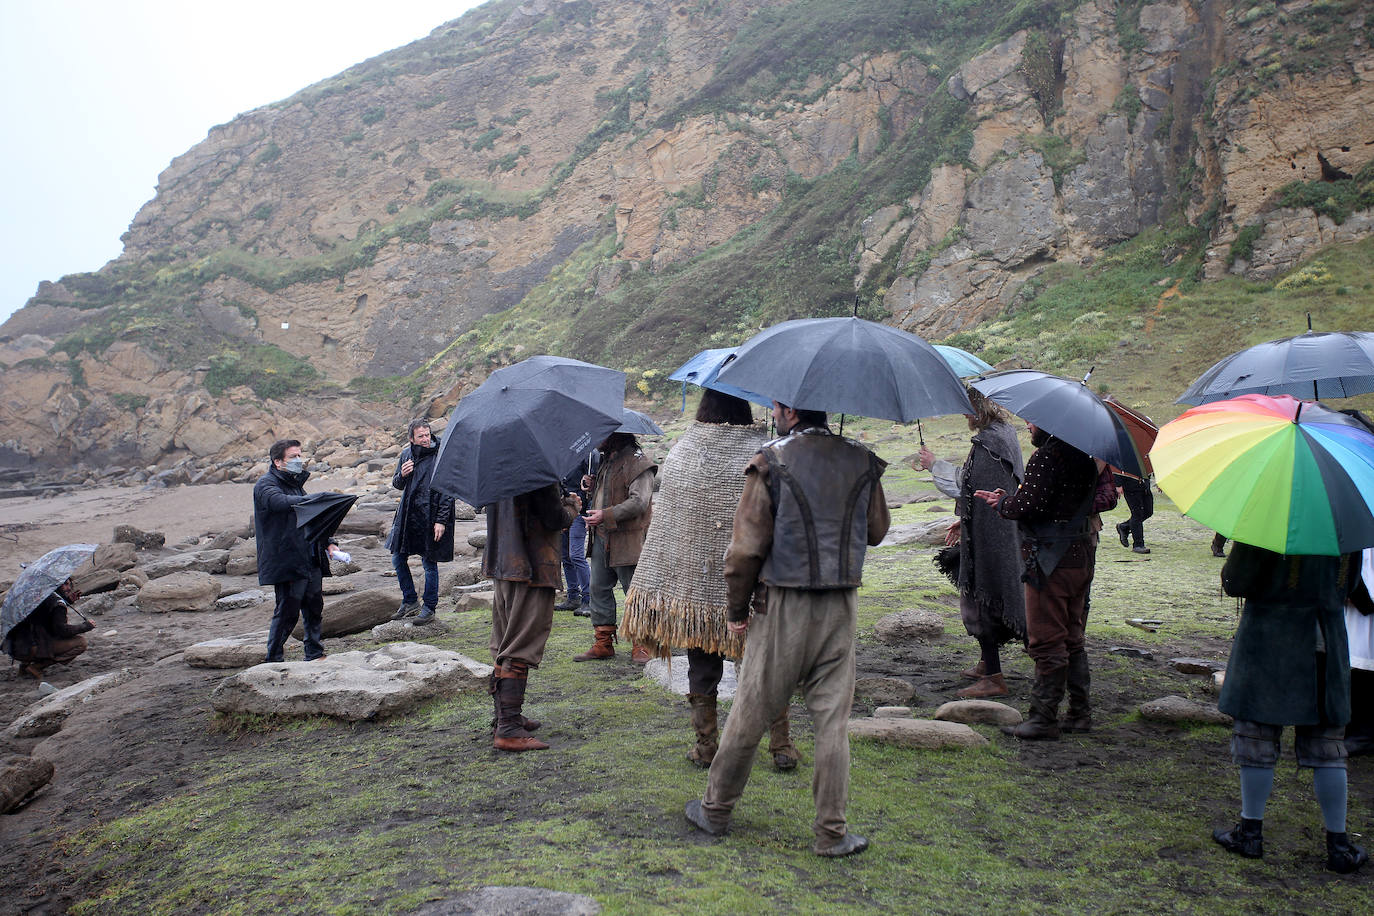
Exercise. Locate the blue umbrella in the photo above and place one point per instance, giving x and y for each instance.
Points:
(38, 580)
(702, 370)
(848, 366)
(527, 426)
(962, 362)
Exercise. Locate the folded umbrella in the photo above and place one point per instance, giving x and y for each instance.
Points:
(527, 426)
(1291, 476)
(703, 370)
(638, 424)
(848, 366)
(1068, 409)
(962, 361)
(1318, 365)
(38, 580)
(321, 513)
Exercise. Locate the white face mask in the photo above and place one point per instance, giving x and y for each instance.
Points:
(295, 466)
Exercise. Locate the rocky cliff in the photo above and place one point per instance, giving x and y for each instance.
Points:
(629, 181)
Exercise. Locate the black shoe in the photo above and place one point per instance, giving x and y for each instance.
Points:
(426, 615)
(1343, 856)
(1247, 839)
(847, 845)
(407, 609)
(571, 603)
(583, 610)
(698, 819)
(1140, 548)
(1123, 534)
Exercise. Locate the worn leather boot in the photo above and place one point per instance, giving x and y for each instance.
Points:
(1247, 839)
(603, 647)
(511, 671)
(1123, 532)
(979, 670)
(780, 747)
(847, 845)
(1218, 546)
(1079, 717)
(511, 734)
(704, 723)
(1042, 723)
(994, 685)
(640, 654)
(1343, 856)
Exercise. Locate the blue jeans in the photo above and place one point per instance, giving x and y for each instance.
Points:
(575, 568)
(403, 579)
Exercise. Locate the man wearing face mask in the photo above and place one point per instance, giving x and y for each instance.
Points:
(293, 566)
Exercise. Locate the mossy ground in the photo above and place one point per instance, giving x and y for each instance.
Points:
(323, 817)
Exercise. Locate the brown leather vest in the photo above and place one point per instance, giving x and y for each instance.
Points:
(613, 479)
(820, 485)
(520, 548)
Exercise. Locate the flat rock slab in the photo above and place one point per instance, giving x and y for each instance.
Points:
(674, 676)
(512, 901)
(409, 630)
(1130, 652)
(47, 715)
(1178, 709)
(907, 627)
(1203, 666)
(355, 613)
(333, 586)
(930, 534)
(209, 561)
(978, 712)
(250, 597)
(352, 685)
(182, 591)
(923, 733)
(884, 691)
(20, 778)
(242, 651)
(892, 712)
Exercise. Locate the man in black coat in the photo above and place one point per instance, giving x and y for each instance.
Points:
(293, 566)
(423, 525)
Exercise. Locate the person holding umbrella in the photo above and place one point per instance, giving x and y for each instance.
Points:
(289, 562)
(423, 524)
(44, 637)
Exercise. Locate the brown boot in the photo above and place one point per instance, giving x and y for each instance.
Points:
(640, 654)
(994, 685)
(780, 747)
(603, 647)
(511, 734)
(979, 670)
(1079, 717)
(704, 723)
(1042, 724)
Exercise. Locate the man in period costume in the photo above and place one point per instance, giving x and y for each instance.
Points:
(422, 526)
(522, 557)
(618, 520)
(812, 503)
(292, 565)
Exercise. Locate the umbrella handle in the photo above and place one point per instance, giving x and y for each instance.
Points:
(921, 432)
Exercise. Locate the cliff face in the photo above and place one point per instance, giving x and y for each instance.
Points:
(619, 150)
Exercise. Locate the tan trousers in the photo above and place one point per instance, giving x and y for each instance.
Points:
(521, 618)
(806, 639)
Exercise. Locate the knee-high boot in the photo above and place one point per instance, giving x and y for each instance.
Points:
(1079, 717)
(1042, 723)
(780, 747)
(704, 723)
(509, 697)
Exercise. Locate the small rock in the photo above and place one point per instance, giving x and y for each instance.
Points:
(884, 691)
(141, 540)
(1203, 666)
(978, 712)
(242, 651)
(1130, 652)
(931, 534)
(20, 779)
(925, 498)
(1178, 709)
(924, 733)
(892, 712)
(906, 627)
(478, 539)
(338, 568)
(474, 601)
(246, 598)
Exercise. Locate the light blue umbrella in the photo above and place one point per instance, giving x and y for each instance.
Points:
(702, 369)
(962, 362)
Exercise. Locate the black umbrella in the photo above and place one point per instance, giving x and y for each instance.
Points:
(1316, 365)
(639, 424)
(321, 513)
(848, 366)
(527, 426)
(38, 580)
(1068, 409)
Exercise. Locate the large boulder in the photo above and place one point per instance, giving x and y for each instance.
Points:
(243, 559)
(209, 561)
(228, 651)
(20, 778)
(352, 685)
(128, 534)
(183, 591)
(925, 733)
(47, 715)
(355, 613)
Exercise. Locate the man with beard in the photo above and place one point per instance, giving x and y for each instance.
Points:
(423, 524)
(293, 566)
(45, 637)
(1054, 507)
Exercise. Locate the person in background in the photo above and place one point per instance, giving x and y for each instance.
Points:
(422, 526)
(619, 518)
(992, 601)
(293, 566)
(1141, 501)
(1289, 665)
(45, 638)
(576, 571)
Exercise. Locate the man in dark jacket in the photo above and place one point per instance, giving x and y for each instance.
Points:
(1055, 507)
(45, 637)
(812, 503)
(423, 525)
(293, 566)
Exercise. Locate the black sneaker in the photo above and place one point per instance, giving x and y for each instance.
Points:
(407, 609)
(426, 615)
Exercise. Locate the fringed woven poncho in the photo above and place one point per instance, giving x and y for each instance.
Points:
(677, 597)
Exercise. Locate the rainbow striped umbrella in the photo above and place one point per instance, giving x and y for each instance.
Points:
(1291, 476)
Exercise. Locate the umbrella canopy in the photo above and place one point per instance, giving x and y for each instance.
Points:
(638, 424)
(320, 514)
(526, 427)
(961, 361)
(849, 366)
(1291, 476)
(38, 580)
(1318, 365)
(702, 370)
(1068, 409)
(1143, 430)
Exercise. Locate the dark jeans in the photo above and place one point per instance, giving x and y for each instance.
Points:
(576, 570)
(297, 599)
(407, 584)
(1142, 505)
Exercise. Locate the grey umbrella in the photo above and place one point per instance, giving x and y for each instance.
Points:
(1068, 409)
(527, 426)
(848, 366)
(1316, 365)
(638, 424)
(38, 580)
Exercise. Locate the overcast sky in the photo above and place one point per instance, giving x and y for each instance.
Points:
(98, 97)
